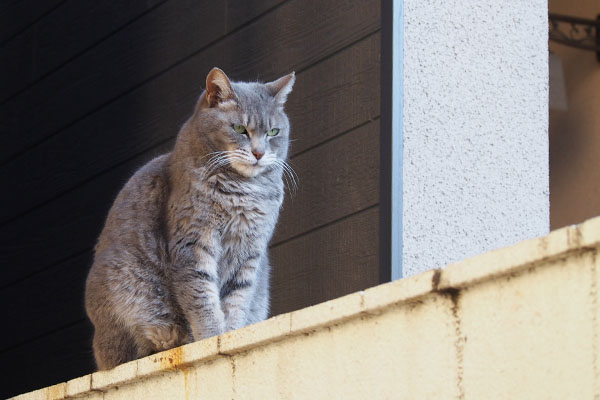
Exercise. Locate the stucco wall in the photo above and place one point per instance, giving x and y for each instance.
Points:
(475, 171)
(575, 132)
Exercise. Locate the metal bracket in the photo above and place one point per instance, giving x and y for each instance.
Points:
(575, 32)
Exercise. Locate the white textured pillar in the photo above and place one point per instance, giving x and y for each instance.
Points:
(475, 128)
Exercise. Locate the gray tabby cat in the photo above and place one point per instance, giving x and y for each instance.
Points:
(183, 253)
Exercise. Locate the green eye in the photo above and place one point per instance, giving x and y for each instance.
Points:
(273, 132)
(241, 129)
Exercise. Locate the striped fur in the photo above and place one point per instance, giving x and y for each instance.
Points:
(183, 253)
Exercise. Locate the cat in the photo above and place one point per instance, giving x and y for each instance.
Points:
(183, 253)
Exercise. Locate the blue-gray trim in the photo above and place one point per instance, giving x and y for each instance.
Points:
(392, 50)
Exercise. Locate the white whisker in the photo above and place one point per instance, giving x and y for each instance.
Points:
(289, 175)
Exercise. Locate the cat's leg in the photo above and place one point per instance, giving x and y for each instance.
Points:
(195, 283)
(142, 302)
(128, 304)
(152, 337)
(113, 344)
(153, 323)
(239, 291)
(259, 307)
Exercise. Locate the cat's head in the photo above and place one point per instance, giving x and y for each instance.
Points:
(243, 123)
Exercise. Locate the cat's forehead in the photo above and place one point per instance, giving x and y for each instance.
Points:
(256, 103)
(253, 95)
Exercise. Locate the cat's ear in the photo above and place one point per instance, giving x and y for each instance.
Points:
(282, 87)
(218, 88)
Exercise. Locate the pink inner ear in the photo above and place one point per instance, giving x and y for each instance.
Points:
(279, 84)
(218, 87)
(214, 95)
(282, 87)
(212, 89)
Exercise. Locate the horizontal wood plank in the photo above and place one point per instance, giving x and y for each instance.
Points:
(241, 12)
(61, 35)
(57, 357)
(335, 180)
(340, 93)
(64, 227)
(329, 98)
(115, 67)
(149, 45)
(18, 15)
(45, 302)
(330, 262)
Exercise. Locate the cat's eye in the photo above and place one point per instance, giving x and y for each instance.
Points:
(241, 129)
(273, 132)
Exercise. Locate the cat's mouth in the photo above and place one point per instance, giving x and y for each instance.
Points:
(248, 170)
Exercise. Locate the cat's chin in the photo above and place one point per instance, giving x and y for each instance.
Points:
(246, 170)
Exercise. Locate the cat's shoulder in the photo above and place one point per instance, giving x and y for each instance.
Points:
(157, 166)
(151, 178)
(139, 201)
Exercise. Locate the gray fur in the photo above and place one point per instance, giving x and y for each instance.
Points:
(183, 253)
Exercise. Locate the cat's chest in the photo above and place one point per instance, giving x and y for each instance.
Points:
(243, 209)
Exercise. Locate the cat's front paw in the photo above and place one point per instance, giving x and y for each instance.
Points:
(164, 337)
(235, 322)
(208, 331)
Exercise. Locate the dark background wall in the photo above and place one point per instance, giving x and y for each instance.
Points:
(91, 90)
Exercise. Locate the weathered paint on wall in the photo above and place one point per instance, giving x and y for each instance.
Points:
(475, 171)
(516, 323)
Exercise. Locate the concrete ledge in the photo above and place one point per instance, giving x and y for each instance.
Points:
(520, 322)
(558, 243)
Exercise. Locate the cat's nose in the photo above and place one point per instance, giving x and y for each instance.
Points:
(257, 154)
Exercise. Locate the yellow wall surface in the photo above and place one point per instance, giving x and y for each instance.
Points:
(575, 133)
(516, 323)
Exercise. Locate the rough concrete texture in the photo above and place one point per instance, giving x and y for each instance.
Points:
(552, 343)
(356, 360)
(475, 168)
(517, 323)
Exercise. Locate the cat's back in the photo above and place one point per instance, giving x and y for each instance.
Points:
(137, 212)
(130, 252)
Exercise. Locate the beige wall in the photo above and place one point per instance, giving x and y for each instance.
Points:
(575, 133)
(516, 323)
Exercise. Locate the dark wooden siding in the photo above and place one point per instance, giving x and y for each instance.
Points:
(90, 91)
